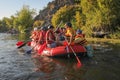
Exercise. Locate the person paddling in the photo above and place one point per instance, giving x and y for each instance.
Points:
(42, 35)
(50, 37)
(80, 38)
(41, 40)
(34, 35)
(70, 33)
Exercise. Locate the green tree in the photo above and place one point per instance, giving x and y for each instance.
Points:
(110, 13)
(9, 22)
(65, 14)
(38, 23)
(79, 19)
(24, 19)
(2, 26)
(89, 10)
(101, 14)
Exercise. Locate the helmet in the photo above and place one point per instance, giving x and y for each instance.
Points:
(68, 24)
(78, 31)
(50, 26)
(35, 28)
(43, 28)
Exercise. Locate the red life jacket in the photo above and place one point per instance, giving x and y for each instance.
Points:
(42, 36)
(50, 37)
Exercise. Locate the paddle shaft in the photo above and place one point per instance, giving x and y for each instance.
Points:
(22, 45)
(74, 53)
(29, 51)
(58, 26)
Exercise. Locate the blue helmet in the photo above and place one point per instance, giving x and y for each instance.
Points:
(78, 31)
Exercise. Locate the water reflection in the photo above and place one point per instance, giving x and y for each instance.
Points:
(44, 64)
(60, 69)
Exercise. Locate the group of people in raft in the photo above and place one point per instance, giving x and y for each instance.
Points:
(61, 36)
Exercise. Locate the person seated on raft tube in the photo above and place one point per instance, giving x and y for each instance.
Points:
(34, 34)
(42, 35)
(60, 32)
(50, 37)
(70, 33)
(80, 38)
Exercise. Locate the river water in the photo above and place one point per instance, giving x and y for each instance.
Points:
(16, 65)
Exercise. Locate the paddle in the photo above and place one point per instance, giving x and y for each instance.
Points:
(58, 26)
(29, 51)
(68, 51)
(19, 43)
(22, 45)
(79, 64)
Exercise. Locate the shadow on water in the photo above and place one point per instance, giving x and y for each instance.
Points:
(16, 65)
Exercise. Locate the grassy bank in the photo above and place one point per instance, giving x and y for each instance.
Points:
(104, 40)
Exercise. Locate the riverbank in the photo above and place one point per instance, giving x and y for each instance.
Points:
(103, 40)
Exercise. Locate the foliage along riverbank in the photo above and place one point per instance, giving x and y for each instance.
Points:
(103, 40)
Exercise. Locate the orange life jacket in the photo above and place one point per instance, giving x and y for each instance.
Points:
(34, 35)
(81, 40)
(79, 35)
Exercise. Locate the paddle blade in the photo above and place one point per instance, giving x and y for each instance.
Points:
(21, 45)
(29, 51)
(78, 60)
(78, 65)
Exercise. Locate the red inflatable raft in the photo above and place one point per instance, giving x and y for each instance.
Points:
(59, 51)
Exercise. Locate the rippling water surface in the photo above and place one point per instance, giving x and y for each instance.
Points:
(16, 65)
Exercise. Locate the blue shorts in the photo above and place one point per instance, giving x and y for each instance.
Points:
(52, 45)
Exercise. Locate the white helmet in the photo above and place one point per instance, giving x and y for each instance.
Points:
(35, 29)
